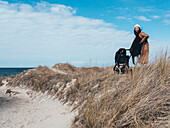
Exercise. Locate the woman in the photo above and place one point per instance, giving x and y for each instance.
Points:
(140, 46)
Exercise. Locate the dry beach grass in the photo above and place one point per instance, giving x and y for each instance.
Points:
(104, 100)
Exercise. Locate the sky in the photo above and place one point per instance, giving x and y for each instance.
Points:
(79, 32)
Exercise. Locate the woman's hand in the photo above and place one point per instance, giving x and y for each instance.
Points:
(144, 36)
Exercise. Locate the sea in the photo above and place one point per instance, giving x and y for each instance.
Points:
(11, 71)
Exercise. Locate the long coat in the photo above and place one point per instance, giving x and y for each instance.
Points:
(142, 48)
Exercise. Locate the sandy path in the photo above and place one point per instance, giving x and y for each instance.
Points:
(30, 110)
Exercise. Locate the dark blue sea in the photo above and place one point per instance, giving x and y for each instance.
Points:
(11, 71)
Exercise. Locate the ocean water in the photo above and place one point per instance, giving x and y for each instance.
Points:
(11, 71)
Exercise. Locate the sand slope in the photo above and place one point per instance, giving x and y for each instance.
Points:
(28, 109)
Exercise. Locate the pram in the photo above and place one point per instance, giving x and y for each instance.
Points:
(122, 61)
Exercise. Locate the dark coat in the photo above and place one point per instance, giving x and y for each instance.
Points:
(142, 48)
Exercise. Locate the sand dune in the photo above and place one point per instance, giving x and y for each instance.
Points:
(28, 109)
(101, 98)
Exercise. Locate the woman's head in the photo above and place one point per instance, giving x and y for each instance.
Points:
(137, 29)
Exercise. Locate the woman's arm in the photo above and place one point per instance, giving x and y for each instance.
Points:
(144, 37)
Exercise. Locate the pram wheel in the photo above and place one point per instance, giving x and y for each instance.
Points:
(116, 70)
(123, 70)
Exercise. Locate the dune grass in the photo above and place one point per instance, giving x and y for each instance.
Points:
(104, 99)
(141, 100)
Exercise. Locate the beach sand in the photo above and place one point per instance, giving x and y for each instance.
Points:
(28, 109)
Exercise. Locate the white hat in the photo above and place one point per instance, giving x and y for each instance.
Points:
(137, 25)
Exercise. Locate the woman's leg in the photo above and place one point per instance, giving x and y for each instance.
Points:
(133, 60)
(137, 58)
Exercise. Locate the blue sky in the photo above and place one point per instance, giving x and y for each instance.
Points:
(80, 32)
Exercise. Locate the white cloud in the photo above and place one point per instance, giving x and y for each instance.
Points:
(142, 18)
(166, 22)
(167, 15)
(3, 2)
(46, 34)
(122, 10)
(155, 17)
(123, 18)
(141, 9)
